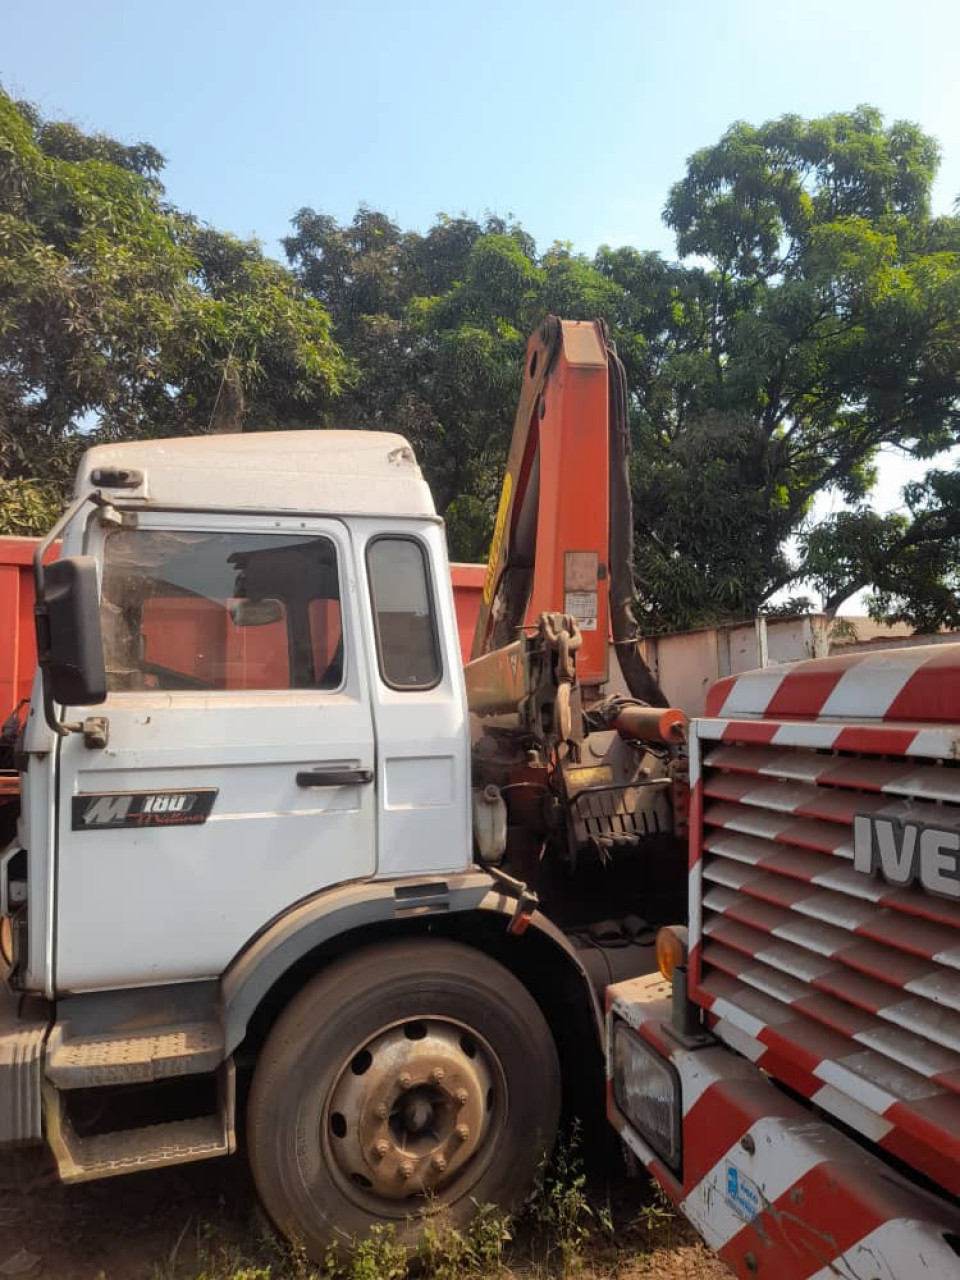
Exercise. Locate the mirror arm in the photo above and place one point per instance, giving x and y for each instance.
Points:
(94, 496)
(61, 728)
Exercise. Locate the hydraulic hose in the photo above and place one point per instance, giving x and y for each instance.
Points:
(638, 676)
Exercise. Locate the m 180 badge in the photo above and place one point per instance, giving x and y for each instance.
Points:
(108, 810)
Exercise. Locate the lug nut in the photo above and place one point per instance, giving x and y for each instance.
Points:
(382, 1111)
(381, 1148)
(406, 1170)
(462, 1132)
(461, 1096)
(436, 1075)
(439, 1163)
(405, 1080)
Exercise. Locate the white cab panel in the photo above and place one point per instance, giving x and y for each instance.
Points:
(422, 733)
(155, 904)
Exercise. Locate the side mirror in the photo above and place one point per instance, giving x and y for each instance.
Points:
(69, 643)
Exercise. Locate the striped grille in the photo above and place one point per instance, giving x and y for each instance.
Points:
(850, 982)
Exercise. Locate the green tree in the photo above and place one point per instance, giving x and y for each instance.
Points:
(911, 560)
(812, 321)
(436, 325)
(825, 325)
(120, 316)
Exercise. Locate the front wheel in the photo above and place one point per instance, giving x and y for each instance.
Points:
(413, 1074)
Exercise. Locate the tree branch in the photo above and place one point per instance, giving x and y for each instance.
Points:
(916, 535)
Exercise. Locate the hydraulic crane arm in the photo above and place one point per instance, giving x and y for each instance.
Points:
(563, 538)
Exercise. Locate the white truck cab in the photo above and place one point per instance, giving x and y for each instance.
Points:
(284, 703)
(245, 846)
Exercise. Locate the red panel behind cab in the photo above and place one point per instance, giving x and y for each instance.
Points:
(467, 591)
(198, 639)
(18, 650)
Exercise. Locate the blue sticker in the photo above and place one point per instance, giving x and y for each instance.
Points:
(743, 1195)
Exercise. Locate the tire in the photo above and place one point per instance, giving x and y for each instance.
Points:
(413, 1075)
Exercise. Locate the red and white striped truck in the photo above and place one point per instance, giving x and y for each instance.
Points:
(806, 1118)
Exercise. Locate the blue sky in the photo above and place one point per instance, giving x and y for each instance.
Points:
(574, 120)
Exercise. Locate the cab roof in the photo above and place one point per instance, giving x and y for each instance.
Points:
(324, 472)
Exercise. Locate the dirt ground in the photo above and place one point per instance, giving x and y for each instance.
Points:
(202, 1221)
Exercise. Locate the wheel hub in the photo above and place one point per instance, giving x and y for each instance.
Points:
(411, 1109)
(417, 1111)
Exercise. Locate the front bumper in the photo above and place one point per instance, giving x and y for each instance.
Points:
(774, 1188)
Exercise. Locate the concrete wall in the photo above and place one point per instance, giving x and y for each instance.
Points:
(687, 663)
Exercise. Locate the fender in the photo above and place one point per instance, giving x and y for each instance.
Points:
(308, 925)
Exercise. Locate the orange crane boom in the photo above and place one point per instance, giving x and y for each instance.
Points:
(563, 535)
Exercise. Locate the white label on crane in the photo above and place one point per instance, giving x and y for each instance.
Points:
(582, 605)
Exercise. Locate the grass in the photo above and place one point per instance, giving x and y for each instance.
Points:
(200, 1222)
(564, 1232)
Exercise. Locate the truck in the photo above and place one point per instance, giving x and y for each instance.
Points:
(276, 861)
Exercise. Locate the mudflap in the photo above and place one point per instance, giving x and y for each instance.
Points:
(774, 1187)
(22, 1036)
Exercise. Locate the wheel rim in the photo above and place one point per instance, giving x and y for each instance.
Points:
(415, 1112)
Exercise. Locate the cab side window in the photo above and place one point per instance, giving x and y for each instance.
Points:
(408, 649)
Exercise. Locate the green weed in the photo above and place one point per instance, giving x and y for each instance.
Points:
(559, 1209)
(563, 1233)
(656, 1216)
(447, 1253)
(378, 1256)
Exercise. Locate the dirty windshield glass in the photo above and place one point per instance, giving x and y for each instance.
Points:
(197, 611)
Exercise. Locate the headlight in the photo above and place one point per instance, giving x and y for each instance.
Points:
(647, 1090)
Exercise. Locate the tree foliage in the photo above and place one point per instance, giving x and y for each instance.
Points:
(811, 322)
(911, 560)
(831, 328)
(435, 325)
(120, 316)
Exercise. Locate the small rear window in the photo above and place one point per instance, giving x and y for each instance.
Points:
(407, 647)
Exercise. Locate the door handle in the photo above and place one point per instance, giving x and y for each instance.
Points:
(334, 777)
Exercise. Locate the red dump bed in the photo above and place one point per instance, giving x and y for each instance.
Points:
(18, 654)
(467, 590)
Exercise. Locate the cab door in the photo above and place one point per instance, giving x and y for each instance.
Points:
(419, 702)
(238, 776)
